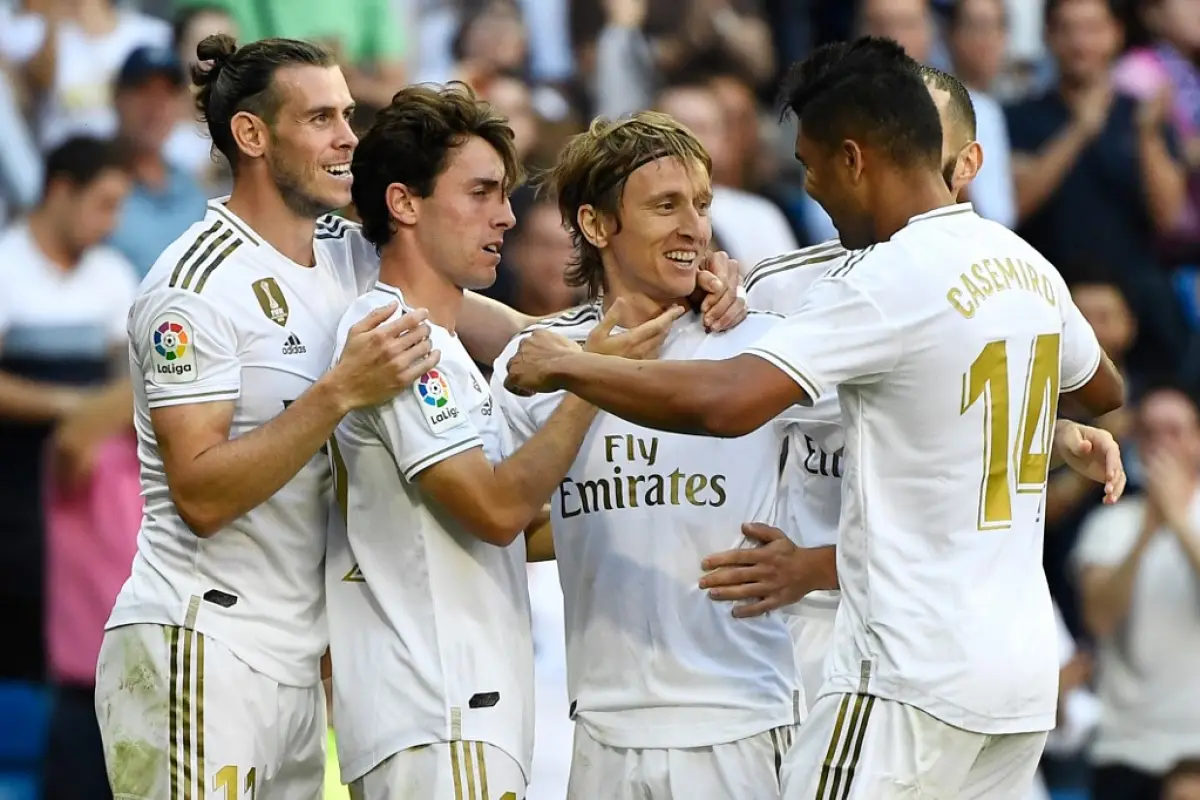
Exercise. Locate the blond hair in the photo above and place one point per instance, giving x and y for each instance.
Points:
(593, 167)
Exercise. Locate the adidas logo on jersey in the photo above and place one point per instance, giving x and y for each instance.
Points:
(293, 347)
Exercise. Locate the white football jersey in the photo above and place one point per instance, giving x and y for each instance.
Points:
(430, 630)
(948, 346)
(652, 661)
(223, 316)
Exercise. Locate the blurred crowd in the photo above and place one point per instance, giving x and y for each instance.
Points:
(1089, 117)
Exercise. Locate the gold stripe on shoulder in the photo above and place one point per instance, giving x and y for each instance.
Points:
(568, 318)
(240, 227)
(213, 245)
(853, 261)
(216, 262)
(197, 243)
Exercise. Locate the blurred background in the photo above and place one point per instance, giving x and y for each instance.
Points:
(1089, 115)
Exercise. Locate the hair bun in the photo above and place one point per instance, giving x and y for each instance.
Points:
(217, 48)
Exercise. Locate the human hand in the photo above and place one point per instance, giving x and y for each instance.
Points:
(383, 358)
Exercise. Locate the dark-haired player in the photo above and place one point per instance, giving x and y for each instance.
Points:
(948, 340)
(209, 673)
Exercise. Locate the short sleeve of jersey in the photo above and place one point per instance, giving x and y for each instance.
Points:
(425, 424)
(839, 335)
(1081, 352)
(186, 348)
(513, 410)
(1108, 534)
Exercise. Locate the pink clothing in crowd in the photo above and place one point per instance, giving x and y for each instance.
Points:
(91, 538)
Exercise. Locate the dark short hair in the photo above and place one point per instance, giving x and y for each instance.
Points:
(81, 159)
(1052, 6)
(871, 91)
(1090, 272)
(962, 109)
(243, 79)
(411, 141)
(1169, 384)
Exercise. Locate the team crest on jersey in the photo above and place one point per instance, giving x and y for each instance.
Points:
(172, 350)
(271, 300)
(437, 402)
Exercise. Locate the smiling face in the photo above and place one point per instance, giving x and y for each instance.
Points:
(656, 244)
(311, 142)
(461, 224)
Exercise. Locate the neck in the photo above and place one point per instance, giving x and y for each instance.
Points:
(906, 195)
(639, 307)
(263, 209)
(1071, 88)
(403, 265)
(97, 18)
(149, 168)
(46, 237)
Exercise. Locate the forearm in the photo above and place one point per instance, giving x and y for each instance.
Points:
(25, 400)
(1189, 541)
(486, 326)
(539, 539)
(1037, 177)
(748, 41)
(1064, 492)
(112, 409)
(527, 479)
(820, 569)
(664, 395)
(1165, 181)
(1108, 604)
(229, 479)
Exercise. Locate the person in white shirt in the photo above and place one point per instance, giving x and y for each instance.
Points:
(1139, 569)
(231, 339)
(796, 563)
(428, 602)
(212, 651)
(948, 340)
(672, 697)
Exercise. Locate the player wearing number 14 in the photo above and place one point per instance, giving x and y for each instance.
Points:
(948, 340)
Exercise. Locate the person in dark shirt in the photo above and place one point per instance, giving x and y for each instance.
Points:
(1097, 174)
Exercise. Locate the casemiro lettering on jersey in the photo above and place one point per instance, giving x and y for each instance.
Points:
(637, 481)
(992, 276)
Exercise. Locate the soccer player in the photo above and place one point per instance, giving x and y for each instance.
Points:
(208, 677)
(672, 697)
(776, 575)
(428, 601)
(948, 340)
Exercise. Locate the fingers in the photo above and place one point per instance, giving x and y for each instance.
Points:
(729, 558)
(763, 606)
(510, 383)
(374, 319)
(713, 288)
(759, 532)
(614, 313)
(423, 364)
(731, 576)
(740, 593)
(1115, 488)
(408, 322)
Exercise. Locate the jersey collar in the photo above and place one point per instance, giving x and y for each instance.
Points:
(944, 211)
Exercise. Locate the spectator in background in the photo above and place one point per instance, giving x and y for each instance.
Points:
(748, 226)
(491, 41)
(165, 200)
(368, 37)
(977, 38)
(628, 48)
(512, 98)
(1139, 568)
(20, 161)
(1068, 499)
(63, 302)
(190, 146)
(911, 23)
(1171, 66)
(1096, 173)
(537, 253)
(84, 44)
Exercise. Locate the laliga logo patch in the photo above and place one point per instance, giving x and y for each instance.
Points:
(173, 355)
(437, 401)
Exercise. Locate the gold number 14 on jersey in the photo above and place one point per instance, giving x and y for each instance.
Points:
(987, 379)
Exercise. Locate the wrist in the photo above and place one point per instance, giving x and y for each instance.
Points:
(330, 395)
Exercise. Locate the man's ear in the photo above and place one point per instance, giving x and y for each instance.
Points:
(403, 205)
(250, 134)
